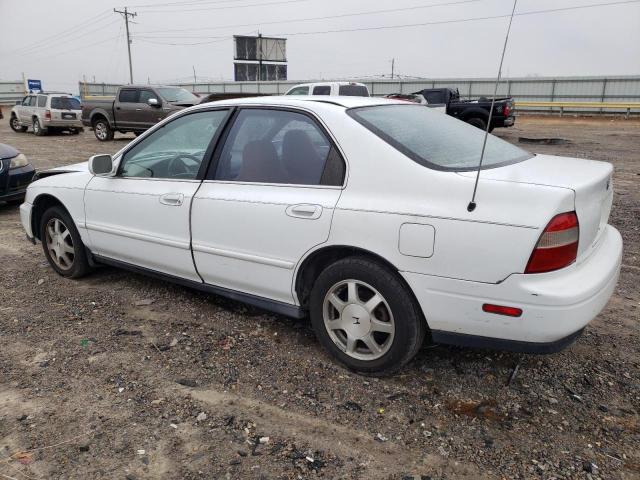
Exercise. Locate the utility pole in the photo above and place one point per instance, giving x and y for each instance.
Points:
(393, 61)
(126, 16)
(259, 57)
(194, 74)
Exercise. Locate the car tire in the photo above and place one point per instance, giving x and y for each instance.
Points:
(62, 244)
(38, 129)
(14, 123)
(477, 122)
(75, 131)
(375, 347)
(102, 130)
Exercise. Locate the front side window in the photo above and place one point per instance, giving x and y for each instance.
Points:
(145, 95)
(299, 91)
(435, 140)
(322, 90)
(177, 95)
(42, 101)
(279, 146)
(128, 95)
(176, 150)
(65, 103)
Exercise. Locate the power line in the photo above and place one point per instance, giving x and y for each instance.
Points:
(327, 17)
(74, 32)
(230, 7)
(219, 39)
(461, 20)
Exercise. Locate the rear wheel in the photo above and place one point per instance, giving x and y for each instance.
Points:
(62, 244)
(477, 122)
(365, 316)
(102, 130)
(38, 129)
(14, 123)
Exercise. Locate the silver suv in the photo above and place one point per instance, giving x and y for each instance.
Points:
(45, 112)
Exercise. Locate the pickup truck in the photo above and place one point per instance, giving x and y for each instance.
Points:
(134, 109)
(474, 112)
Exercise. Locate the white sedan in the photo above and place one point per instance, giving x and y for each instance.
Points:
(352, 211)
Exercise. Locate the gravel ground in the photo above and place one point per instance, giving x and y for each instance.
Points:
(124, 377)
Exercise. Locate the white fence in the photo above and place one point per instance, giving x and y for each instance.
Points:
(612, 89)
(10, 92)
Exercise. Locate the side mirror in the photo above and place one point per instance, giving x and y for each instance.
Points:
(101, 165)
(153, 102)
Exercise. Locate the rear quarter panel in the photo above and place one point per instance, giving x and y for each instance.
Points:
(386, 189)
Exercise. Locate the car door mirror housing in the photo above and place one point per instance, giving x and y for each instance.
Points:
(154, 102)
(101, 165)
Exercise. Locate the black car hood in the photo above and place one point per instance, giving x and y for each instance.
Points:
(7, 151)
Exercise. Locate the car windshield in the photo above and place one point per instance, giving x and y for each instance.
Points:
(65, 103)
(177, 95)
(434, 139)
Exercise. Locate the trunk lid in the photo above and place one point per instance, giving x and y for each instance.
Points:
(590, 181)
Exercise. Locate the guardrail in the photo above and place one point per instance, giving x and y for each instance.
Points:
(591, 106)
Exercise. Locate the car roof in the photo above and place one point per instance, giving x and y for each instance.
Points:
(307, 101)
(325, 83)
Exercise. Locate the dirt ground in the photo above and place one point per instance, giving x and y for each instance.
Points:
(119, 376)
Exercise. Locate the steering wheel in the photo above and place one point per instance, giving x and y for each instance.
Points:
(179, 168)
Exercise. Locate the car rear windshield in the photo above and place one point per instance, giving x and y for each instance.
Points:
(353, 91)
(65, 103)
(434, 139)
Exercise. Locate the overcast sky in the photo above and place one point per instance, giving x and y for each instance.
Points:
(60, 41)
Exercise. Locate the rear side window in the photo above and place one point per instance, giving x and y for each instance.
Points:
(42, 101)
(128, 96)
(434, 97)
(65, 103)
(279, 146)
(322, 90)
(436, 140)
(353, 91)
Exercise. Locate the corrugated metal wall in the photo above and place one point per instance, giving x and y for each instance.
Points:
(536, 89)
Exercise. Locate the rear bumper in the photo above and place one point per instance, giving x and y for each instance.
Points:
(62, 123)
(556, 305)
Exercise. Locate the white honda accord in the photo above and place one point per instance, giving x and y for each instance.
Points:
(353, 211)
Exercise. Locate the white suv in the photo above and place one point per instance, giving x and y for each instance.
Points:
(46, 112)
(345, 89)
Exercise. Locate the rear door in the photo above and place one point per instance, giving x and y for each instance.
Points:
(125, 107)
(269, 197)
(141, 216)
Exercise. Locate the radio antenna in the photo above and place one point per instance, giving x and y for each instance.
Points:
(472, 204)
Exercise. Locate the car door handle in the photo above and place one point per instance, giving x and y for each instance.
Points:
(138, 109)
(304, 210)
(172, 199)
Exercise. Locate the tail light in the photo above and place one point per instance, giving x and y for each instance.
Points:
(557, 246)
(506, 110)
(47, 114)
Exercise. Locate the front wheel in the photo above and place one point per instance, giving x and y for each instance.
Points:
(62, 244)
(366, 317)
(14, 123)
(102, 130)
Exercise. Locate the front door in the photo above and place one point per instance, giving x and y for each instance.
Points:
(141, 215)
(269, 199)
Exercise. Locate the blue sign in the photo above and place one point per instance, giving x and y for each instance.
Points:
(34, 85)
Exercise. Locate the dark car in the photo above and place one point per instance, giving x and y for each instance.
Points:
(15, 174)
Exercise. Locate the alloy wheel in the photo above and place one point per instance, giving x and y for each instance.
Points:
(14, 123)
(36, 126)
(59, 243)
(101, 130)
(358, 319)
